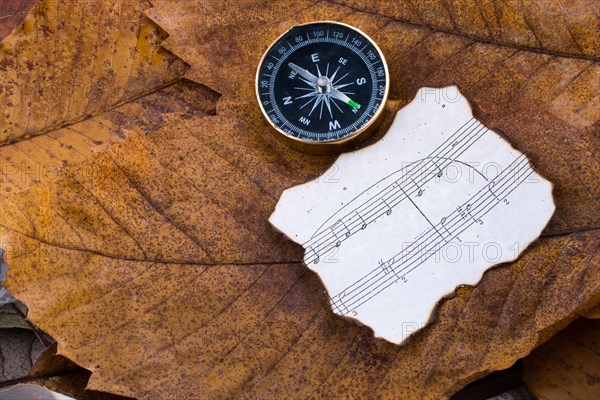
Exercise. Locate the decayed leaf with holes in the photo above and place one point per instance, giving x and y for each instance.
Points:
(207, 300)
(568, 365)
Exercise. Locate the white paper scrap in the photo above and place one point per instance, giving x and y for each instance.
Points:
(394, 227)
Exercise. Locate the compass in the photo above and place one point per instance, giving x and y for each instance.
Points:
(322, 85)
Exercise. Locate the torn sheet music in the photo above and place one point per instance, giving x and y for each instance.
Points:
(394, 227)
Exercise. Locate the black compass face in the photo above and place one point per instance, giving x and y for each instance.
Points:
(322, 82)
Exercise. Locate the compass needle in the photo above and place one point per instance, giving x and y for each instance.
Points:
(341, 96)
(303, 102)
(304, 73)
(312, 86)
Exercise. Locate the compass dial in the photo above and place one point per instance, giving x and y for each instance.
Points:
(322, 83)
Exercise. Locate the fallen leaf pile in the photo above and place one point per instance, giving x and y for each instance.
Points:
(142, 245)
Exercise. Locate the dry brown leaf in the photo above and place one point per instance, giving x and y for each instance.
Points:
(557, 26)
(66, 85)
(19, 349)
(12, 13)
(568, 365)
(159, 329)
(161, 275)
(546, 104)
(593, 313)
(59, 67)
(38, 159)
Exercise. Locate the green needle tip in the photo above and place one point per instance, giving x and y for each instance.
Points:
(354, 104)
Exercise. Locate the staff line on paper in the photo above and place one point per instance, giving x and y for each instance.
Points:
(459, 209)
(484, 200)
(378, 205)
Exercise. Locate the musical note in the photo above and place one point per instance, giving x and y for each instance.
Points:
(316, 258)
(348, 233)
(417, 185)
(338, 301)
(338, 242)
(389, 210)
(468, 212)
(385, 266)
(439, 175)
(490, 186)
(468, 208)
(443, 222)
(364, 224)
(477, 220)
